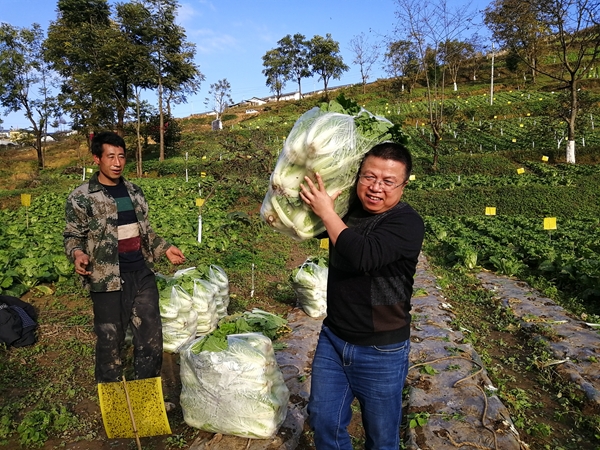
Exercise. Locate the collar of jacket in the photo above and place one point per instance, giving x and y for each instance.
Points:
(95, 185)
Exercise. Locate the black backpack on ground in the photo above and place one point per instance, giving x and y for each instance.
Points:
(17, 322)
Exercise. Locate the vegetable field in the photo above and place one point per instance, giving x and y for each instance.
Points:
(501, 200)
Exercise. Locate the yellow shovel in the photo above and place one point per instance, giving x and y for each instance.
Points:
(141, 401)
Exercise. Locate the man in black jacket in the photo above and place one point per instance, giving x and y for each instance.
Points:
(364, 344)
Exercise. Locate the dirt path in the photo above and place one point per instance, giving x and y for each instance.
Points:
(448, 384)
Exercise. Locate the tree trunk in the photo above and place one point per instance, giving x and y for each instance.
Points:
(571, 152)
(40, 151)
(138, 153)
(161, 122)
(571, 121)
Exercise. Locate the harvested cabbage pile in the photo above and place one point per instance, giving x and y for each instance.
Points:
(191, 304)
(309, 282)
(330, 140)
(238, 391)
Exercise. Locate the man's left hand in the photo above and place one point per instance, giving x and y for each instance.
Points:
(175, 255)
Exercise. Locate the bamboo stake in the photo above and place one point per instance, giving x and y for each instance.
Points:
(135, 431)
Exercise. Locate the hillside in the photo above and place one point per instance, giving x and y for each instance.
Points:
(507, 158)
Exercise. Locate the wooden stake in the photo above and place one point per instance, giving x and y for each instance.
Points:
(135, 431)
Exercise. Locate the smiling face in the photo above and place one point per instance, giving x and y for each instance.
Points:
(377, 198)
(110, 164)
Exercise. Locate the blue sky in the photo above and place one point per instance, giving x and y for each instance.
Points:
(231, 36)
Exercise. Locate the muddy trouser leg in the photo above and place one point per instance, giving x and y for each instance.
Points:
(145, 322)
(111, 317)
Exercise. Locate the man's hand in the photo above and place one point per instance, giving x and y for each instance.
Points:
(82, 260)
(315, 196)
(175, 255)
(322, 205)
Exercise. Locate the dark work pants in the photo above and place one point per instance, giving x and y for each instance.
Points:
(136, 305)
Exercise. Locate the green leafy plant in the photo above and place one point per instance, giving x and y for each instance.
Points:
(418, 419)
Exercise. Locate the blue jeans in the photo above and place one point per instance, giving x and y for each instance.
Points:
(374, 375)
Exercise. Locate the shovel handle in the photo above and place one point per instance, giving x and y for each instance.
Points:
(135, 431)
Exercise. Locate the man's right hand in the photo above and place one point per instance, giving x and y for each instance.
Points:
(81, 262)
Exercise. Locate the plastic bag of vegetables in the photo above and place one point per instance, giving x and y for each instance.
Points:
(330, 140)
(218, 277)
(179, 319)
(309, 282)
(237, 391)
(205, 305)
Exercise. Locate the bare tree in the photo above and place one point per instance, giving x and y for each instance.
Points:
(429, 24)
(366, 55)
(220, 96)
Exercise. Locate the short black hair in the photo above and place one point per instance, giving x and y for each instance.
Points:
(106, 137)
(393, 151)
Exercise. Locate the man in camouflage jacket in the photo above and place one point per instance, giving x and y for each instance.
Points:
(110, 240)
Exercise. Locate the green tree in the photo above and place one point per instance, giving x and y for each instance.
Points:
(455, 54)
(93, 57)
(295, 51)
(365, 56)
(402, 62)
(325, 59)
(171, 56)
(136, 24)
(275, 70)
(22, 70)
(165, 60)
(516, 24)
(568, 31)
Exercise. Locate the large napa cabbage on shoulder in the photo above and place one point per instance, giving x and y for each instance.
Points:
(331, 141)
(238, 391)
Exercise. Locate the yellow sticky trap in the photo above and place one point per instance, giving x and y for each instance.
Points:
(412, 177)
(514, 140)
(324, 243)
(490, 210)
(26, 199)
(544, 158)
(89, 170)
(550, 223)
(199, 202)
(520, 125)
(147, 404)
(204, 157)
(202, 174)
(520, 170)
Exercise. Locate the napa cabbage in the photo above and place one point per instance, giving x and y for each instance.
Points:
(238, 391)
(329, 140)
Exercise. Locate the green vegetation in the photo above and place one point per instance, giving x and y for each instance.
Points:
(479, 167)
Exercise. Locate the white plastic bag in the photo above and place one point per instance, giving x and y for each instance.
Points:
(238, 391)
(309, 282)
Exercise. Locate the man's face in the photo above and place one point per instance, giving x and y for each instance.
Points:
(111, 164)
(381, 184)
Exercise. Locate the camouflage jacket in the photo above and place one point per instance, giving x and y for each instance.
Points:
(91, 226)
